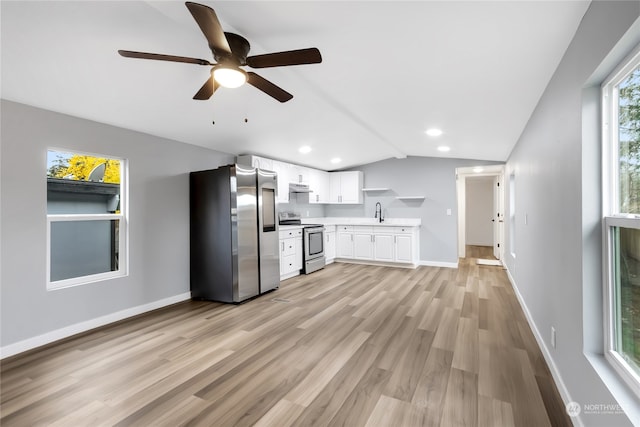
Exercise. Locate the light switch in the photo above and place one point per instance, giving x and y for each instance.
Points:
(449, 212)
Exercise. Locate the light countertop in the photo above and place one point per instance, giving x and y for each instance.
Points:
(390, 222)
(289, 227)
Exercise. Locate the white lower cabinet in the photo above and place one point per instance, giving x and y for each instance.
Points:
(378, 243)
(344, 241)
(363, 242)
(403, 248)
(290, 253)
(329, 243)
(383, 249)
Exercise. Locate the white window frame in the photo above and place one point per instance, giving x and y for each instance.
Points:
(612, 217)
(123, 234)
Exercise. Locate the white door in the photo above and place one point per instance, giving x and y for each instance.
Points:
(498, 217)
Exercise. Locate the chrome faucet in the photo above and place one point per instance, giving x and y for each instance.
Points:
(379, 212)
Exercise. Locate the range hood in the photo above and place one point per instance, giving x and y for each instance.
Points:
(296, 187)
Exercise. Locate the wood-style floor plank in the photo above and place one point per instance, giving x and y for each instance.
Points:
(349, 345)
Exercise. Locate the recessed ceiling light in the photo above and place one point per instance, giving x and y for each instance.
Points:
(336, 160)
(444, 148)
(478, 169)
(434, 132)
(304, 149)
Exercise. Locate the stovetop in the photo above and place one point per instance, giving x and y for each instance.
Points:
(293, 218)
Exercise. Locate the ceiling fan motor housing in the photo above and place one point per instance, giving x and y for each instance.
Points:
(239, 48)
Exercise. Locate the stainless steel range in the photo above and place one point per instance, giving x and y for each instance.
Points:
(312, 241)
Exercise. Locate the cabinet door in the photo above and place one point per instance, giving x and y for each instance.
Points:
(383, 247)
(282, 170)
(262, 163)
(362, 245)
(287, 256)
(330, 246)
(334, 187)
(319, 186)
(345, 245)
(404, 248)
(299, 254)
(351, 187)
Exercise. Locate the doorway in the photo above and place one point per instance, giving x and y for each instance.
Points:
(481, 223)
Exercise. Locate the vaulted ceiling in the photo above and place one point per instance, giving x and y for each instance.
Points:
(390, 71)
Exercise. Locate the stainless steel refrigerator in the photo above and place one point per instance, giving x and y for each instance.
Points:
(234, 233)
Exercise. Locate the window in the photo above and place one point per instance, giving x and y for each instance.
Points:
(86, 218)
(621, 208)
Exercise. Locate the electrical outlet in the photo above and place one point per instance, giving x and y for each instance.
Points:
(553, 337)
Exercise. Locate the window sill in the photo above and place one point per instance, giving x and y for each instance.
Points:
(624, 396)
(84, 280)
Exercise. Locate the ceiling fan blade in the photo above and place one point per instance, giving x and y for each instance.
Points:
(210, 25)
(161, 57)
(267, 87)
(207, 89)
(291, 57)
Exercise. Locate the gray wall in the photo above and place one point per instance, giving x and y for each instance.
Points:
(558, 253)
(434, 178)
(159, 220)
(299, 203)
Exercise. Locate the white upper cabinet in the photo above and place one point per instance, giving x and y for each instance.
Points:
(255, 161)
(283, 170)
(319, 186)
(299, 174)
(345, 187)
(326, 187)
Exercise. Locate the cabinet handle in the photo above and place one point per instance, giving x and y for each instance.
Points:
(352, 237)
(282, 246)
(395, 239)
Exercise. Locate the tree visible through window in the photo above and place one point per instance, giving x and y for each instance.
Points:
(86, 224)
(629, 143)
(621, 95)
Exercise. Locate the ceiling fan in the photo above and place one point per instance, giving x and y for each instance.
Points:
(230, 52)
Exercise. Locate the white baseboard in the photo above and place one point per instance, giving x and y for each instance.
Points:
(375, 263)
(438, 264)
(67, 331)
(562, 388)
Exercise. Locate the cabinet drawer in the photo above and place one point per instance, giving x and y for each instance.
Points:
(285, 234)
(363, 229)
(288, 264)
(345, 228)
(287, 247)
(401, 230)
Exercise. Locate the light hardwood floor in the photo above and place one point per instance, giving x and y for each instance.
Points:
(349, 345)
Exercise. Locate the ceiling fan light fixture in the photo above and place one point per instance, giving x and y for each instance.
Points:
(230, 77)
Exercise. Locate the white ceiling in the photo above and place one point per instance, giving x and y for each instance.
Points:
(390, 70)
